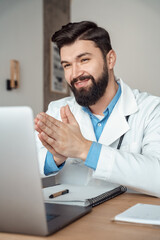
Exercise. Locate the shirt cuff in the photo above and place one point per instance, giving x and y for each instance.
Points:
(50, 165)
(93, 155)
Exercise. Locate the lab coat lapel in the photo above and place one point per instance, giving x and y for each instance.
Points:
(115, 127)
(117, 124)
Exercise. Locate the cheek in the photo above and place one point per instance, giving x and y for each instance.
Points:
(96, 70)
(67, 77)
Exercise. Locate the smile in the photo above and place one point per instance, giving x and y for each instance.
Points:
(80, 84)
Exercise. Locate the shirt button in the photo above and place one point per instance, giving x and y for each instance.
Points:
(99, 124)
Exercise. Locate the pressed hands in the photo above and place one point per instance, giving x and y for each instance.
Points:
(62, 139)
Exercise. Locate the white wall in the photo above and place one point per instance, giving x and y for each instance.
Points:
(21, 38)
(134, 27)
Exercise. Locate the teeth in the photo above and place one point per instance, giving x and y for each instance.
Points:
(81, 83)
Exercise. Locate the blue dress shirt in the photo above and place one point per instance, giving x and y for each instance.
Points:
(95, 149)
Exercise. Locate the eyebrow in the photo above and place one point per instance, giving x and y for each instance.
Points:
(77, 57)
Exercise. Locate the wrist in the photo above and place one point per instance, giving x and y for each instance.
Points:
(59, 161)
(85, 149)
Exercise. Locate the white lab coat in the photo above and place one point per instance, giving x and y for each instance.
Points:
(137, 163)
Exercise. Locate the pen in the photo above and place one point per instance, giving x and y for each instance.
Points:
(59, 193)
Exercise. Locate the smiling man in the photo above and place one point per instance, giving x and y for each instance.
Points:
(107, 132)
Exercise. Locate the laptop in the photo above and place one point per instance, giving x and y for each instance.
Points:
(22, 207)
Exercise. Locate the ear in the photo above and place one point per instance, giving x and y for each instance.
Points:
(111, 59)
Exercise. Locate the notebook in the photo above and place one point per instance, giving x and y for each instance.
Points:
(22, 208)
(85, 195)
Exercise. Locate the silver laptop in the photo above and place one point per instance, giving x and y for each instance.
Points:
(22, 207)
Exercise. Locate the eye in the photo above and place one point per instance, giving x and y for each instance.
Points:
(83, 60)
(67, 65)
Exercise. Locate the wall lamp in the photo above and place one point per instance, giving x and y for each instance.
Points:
(13, 82)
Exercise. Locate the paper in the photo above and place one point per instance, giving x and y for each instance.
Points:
(77, 195)
(141, 213)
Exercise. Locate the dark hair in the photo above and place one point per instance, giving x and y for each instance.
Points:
(84, 30)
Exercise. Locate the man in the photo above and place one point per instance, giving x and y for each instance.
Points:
(106, 132)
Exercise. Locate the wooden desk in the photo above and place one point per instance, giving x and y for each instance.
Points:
(97, 225)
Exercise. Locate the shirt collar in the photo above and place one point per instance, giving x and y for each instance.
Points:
(111, 105)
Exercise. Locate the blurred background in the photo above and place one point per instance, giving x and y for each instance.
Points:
(27, 26)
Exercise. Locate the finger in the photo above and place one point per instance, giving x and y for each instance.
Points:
(35, 120)
(47, 139)
(37, 128)
(63, 115)
(70, 116)
(49, 131)
(46, 145)
(47, 119)
(45, 125)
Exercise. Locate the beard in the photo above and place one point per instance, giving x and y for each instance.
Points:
(88, 97)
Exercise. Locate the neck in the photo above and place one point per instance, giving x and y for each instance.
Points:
(99, 107)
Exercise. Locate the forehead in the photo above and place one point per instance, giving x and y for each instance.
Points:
(72, 51)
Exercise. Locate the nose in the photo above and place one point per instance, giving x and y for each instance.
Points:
(76, 71)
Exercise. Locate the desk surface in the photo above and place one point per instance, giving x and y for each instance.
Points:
(98, 224)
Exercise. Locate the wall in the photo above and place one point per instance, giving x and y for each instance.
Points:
(134, 26)
(21, 38)
(56, 14)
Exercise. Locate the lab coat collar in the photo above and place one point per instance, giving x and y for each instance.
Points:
(127, 101)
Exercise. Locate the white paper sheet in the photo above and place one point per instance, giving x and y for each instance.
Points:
(141, 213)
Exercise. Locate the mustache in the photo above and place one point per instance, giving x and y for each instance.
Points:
(81, 78)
